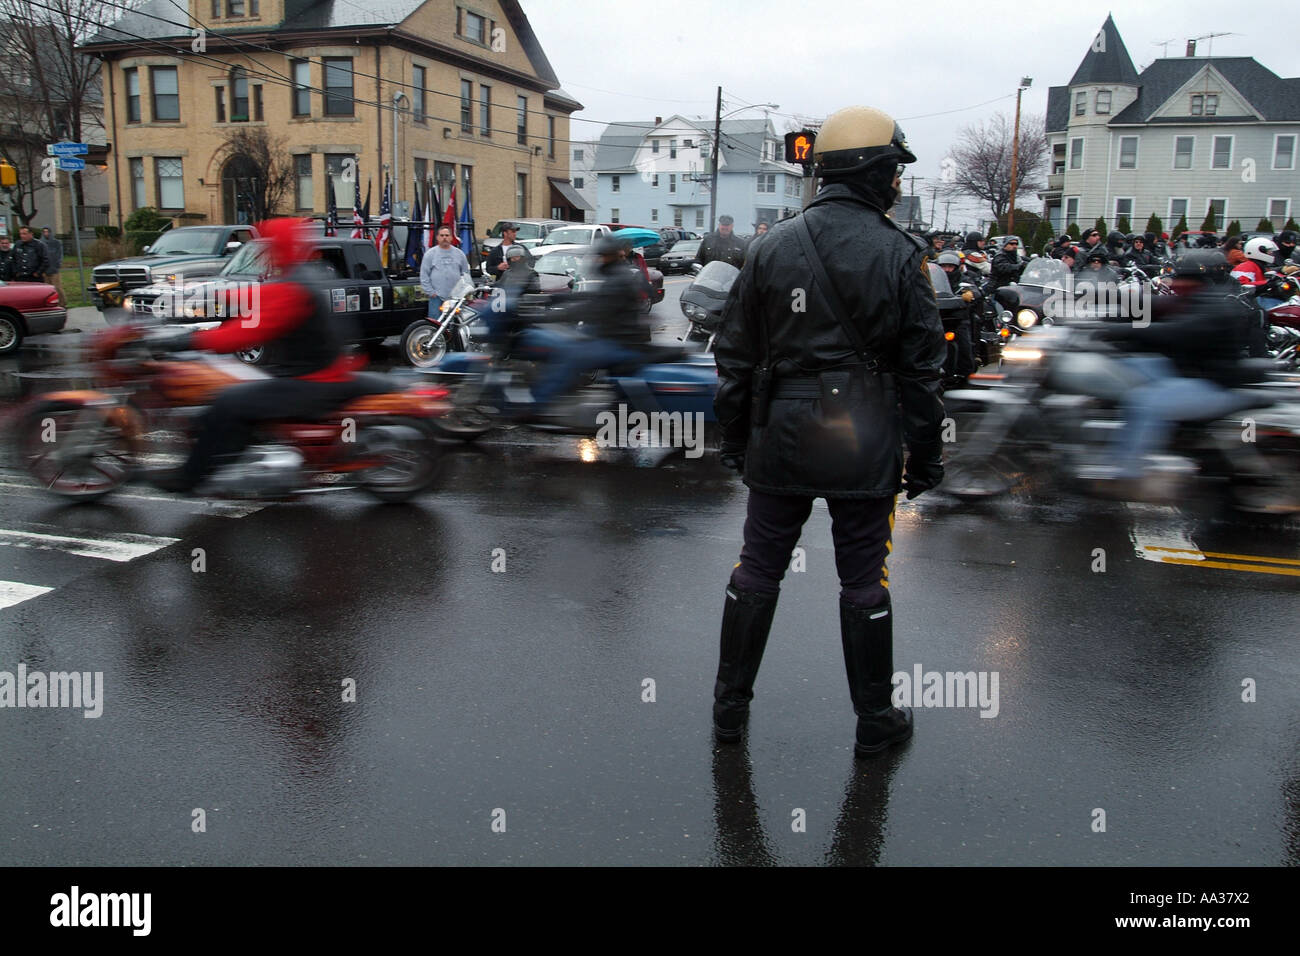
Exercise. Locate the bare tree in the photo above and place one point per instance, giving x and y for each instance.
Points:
(979, 163)
(49, 90)
(263, 172)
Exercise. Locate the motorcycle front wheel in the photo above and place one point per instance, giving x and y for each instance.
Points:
(423, 344)
(75, 451)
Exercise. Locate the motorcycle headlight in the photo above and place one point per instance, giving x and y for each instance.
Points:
(193, 311)
(1014, 354)
(1026, 318)
(444, 307)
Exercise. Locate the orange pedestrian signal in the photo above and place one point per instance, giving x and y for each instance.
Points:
(799, 148)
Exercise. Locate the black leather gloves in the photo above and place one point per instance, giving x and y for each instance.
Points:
(924, 469)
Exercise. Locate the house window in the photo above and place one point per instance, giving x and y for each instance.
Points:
(417, 93)
(672, 149)
(577, 155)
(1076, 153)
(466, 106)
(302, 174)
(234, 8)
(137, 183)
(1219, 207)
(1284, 152)
(238, 95)
(654, 215)
(654, 180)
(1198, 105)
(1123, 207)
(1211, 104)
(335, 165)
(1279, 210)
(1128, 152)
(484, 109)
(1080, 103)
(132, 95)
(1072, 210)
(578, 182)
(688, 144)
(221, 103)
(338, 85)
(1103, 101)
(521, 195)
(654, 145)
(614, 183)
(166, 97)
(1183, 151)
(677, 217)
(550, 137)
(672, 182)
(1222, 158)
(473, 27)
(521, 120)
(216, 9)
(699, 219)
(301, 88)
(421, 167)
(613, 215)
(767, 182)
(171, 187)
(1177, 210)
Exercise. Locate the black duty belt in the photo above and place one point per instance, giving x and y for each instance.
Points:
(809, 385)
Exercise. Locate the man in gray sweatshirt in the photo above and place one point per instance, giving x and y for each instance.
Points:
(440, 269)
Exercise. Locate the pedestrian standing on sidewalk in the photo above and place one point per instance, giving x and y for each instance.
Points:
(54, 254)
(30, 262)
(440, 270)
(816, 400)
(6, 258)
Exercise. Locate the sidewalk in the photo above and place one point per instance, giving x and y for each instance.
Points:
(86, 318)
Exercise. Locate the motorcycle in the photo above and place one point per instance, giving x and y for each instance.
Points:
(704, 299)
(425, 341)
(1279, 297)
(1061, 402)
(86, 444)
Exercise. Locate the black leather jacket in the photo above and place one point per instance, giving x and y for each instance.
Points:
(1006, 268)
(614, 310)
(30, 260)
(846, 443)
(727, 248)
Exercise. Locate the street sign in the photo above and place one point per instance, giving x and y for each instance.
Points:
(71, 162)
(67, 149)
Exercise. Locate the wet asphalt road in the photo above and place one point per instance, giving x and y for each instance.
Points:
(524, 691)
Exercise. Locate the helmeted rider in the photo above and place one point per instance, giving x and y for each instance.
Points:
(950, 262)
(1286, 243)
(305, 355)
(1139, 255)
(974, 255)
(1257, 258)
(1007, 264)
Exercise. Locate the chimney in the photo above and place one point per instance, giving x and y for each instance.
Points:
(659, 120)
(1191, 48)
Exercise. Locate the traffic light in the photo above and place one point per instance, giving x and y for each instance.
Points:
(8, 175)
(799, 148)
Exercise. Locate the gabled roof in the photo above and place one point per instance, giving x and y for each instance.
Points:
(742, 143)
(1277, 99)
(331, 14)
(1109, 64)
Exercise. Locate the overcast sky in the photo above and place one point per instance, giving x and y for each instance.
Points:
(635, 61)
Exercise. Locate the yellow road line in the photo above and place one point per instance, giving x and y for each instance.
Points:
(1228, 566)
(1232, 557)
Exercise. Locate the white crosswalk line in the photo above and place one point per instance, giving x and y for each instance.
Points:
(120, 547)
(15, 592)
(218, 509)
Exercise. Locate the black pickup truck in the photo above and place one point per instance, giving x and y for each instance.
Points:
(348, 274)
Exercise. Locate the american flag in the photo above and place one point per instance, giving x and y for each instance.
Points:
(359, 230)
(385, 223)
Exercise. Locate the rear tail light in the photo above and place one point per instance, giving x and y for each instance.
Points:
(431, 391)
(950, 335)
(52, 299)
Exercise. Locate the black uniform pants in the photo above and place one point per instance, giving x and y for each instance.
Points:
(862, 529)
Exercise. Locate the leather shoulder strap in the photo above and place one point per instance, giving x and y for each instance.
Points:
(828, 291)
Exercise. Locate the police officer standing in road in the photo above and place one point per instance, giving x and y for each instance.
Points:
(829, 358)
(723, 244)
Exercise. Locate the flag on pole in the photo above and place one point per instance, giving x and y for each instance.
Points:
(331, 207)
(466, 226)
(385, 222)
(449, 217)
(365, 214)
(358, 217)
(432, 207)
(415, 235)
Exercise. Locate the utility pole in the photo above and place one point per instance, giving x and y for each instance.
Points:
(911, 205)
(946, 206)
(1025, 83)
(934, 195)
(717, 154)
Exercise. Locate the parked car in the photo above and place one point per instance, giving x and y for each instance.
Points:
(680, 256)
(350, 277)
(673, 235)
(187, 252)
(532, 232)
(574, 267)
(576, 235)
(28, 308)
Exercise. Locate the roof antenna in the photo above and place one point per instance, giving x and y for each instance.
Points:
(1164, 45)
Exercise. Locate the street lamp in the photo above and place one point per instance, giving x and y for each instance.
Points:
(398, 96)
(717, 151)
(1025, 83)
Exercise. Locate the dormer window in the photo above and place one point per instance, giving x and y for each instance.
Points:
(1080, 103)
(473, 26)
(1198, 105)
(1211, 104)
(1103, 101)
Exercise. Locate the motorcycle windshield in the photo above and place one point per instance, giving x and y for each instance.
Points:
(717, 277)
(463, 287)
(1046, 273)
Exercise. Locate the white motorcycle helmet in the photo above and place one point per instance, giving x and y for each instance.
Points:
(1261, 251)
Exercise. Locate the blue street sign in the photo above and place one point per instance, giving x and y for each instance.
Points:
(67, 149)
(71, 162)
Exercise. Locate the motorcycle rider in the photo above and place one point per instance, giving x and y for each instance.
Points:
(975, 256)
(1191, 353)
(723, 244)
(1007, 266)
(1286, 242)
(1255, 258)
(964, 363)
(1139, 255)
(810, 404)
(305, 354)
(1115, 246)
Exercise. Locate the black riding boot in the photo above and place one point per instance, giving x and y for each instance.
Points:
(746, 620)
(868, 638)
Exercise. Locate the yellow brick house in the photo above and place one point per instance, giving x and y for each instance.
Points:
(457, 90)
